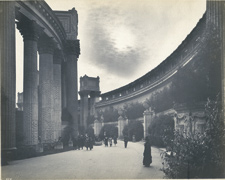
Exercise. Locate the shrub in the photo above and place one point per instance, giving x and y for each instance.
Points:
(110, 130)
(110, 114)
(199, 155)
(161, 130)
(134, 110)
(134, 128)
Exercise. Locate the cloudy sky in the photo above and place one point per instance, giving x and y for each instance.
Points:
(122, 40)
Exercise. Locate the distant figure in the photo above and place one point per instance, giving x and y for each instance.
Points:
(75, 142)
(110, 141)
(106, 141)
(91, 143)
(147, 160)
(78, 142)
(115, 140)
(125, 141)
(87, 141)
(82, 139)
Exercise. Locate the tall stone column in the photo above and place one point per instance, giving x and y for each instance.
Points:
(63, 82)
(85, 110)
(72, 51)
(81, 109)
(148, 118)
(93, 99)
(223, 56)
(30, 31)
(57, 91)
(121, 124)
(8, 76)
(46, 121)
(97, 126)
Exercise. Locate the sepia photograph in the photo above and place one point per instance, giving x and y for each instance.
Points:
(112, 89)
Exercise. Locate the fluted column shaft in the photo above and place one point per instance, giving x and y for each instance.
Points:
(63, 82)
(30, 32)
(8, 76)
(85, 110)
(57, 92)
(72, 51)
(223, 57)
(46, 121)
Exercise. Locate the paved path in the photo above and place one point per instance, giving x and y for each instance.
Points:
(100, 163)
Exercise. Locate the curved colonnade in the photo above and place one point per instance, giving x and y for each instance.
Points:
(189, 51)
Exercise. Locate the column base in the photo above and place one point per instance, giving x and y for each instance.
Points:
(59, 145)
(39, 148)
(7, 155)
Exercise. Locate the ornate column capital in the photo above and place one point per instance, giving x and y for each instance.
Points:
(30, 30)
(46, 45)
(72, 47)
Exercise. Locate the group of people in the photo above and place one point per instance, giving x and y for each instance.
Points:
(87, 141)
(83, 141)
(110, 140)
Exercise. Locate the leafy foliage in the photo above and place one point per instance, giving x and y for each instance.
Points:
(161, 130)
(134, 110)
(199, 155)
(110, 114)
(200, 79)
(134, 128)
(161, 100)
(110, 131)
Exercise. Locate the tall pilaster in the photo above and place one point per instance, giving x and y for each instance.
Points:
(93, 99)
(30, 31)
(223, 57)
(46, 122)
(72, 51)
(84, 108)
(63, 82)
(57, 92)
(216, 31)
(8, 76)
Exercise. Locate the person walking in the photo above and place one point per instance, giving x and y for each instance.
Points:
(78, 142)
(115, 140)
(106, 141)
(147, 160)
(110, 141)
(91, 141)
(87, 141)
(82, 140)
(125, 141)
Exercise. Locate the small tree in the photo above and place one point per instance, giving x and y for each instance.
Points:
(134, 128)
(134, 110)
(199, 155)
(161, 130)
(110, 114)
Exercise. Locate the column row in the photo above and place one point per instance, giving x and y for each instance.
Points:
(42, 91)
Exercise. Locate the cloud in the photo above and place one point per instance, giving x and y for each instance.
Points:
(114, 49)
